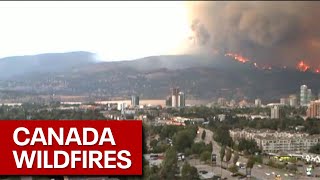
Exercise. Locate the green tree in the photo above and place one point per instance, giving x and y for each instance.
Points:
(152, 173)
(228, 156)
(205, 156)
(250, 162)
(203, 135)
(199, 147)
(248, 146)
(222, 153)
(315, 149)
(184, 139)
(233, 169)
(235, 157)
(189, 172)
(169, 165)
(222, 136)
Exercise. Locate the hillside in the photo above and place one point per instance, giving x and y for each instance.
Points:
(152, 77)
(43, 63)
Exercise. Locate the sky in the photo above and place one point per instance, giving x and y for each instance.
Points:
(268, 33)
(113, 30)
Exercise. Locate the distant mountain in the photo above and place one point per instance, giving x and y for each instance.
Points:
(169, 62)
(198, 82)
(44, 63)
(199, 77)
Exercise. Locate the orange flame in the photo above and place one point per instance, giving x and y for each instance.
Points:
(302, 66)
(238, 57)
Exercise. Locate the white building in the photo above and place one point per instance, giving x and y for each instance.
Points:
(121, 106)
(221, 117)
(181, 100)
(257, 102)
(71, 103)
(309, 96)
(273, 141)
(174, 101)
(284, 101)
(293, 102)
(303, 95)
(275, 112)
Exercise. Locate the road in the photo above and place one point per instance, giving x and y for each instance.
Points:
(209, 168)
(258, 173)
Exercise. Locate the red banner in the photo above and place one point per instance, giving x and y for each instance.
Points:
(70, 147)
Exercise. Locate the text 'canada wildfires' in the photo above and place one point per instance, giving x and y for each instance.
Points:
(61, 159)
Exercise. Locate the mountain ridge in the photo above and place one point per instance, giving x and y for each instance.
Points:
(200, 77)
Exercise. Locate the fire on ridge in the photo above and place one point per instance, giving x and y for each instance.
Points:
(302, 65)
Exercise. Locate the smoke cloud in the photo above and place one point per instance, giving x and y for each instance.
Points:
(270, 33)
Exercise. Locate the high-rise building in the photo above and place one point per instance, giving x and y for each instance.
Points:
(174, 101)
(174, 96)
(181, 100)
(169, 101)
(303, 95)
(284, 101)
(293, 101)
(309, 96)
(121, 107)
(134, 101)
(313, 110)
(257, 102)
(275, 112)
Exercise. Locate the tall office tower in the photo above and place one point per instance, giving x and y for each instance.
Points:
(174, 96)
(303, 95)
(169, 101)
(174, 102)
(134, 101)
(309, 96)
(181, 100)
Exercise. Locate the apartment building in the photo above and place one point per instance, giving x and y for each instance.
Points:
(274, 142)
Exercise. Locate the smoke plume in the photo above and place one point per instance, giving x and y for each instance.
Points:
(271, 33)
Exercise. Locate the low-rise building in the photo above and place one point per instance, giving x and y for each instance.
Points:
(221, 117)
(313, 110)
(271, 141)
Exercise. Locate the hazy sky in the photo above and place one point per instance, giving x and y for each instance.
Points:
(113, 30)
